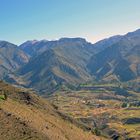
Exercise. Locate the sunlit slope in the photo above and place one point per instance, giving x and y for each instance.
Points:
(27, 116)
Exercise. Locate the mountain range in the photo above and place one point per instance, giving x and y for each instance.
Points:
(46, 65)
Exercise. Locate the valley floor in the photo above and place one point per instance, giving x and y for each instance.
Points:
(107, 113)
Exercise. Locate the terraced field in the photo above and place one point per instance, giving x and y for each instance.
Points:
(112, 113)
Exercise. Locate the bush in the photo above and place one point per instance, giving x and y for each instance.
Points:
(124, 105)
(97, 132)
(2, 97)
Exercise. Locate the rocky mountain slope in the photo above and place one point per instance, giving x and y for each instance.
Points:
(11, 58)
(119, 61)
(72, 61)
(64, 62)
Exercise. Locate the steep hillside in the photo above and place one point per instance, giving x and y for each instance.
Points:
(24, 115)
(34, 47)
(103, 44)
(65, 62)
(11, 58)
(119, 61)
(73, 61)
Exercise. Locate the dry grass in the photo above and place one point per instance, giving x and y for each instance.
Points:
(38, 117)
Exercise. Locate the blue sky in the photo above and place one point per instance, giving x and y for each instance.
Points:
(22, 20)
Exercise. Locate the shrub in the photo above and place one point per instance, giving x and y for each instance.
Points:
(124, 105)
(97, 132)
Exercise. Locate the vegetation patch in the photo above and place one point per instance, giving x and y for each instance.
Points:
(132, 121)
(2, 97)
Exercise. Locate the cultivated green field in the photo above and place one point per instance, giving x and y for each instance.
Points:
(113, 110)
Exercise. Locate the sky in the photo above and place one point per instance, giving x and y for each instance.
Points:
(22, 20)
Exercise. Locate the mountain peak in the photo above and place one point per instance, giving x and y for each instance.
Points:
(77, 39)
(29, 42)
(6, 43)
(135, 33)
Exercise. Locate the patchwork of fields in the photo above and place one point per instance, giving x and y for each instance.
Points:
(109, 110)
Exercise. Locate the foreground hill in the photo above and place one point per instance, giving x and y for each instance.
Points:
(24, 115)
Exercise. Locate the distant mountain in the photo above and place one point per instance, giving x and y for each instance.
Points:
(64, 62)
(11, 58)
(103, 44)
(35, 47)
(119, 61)
(45, 65)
